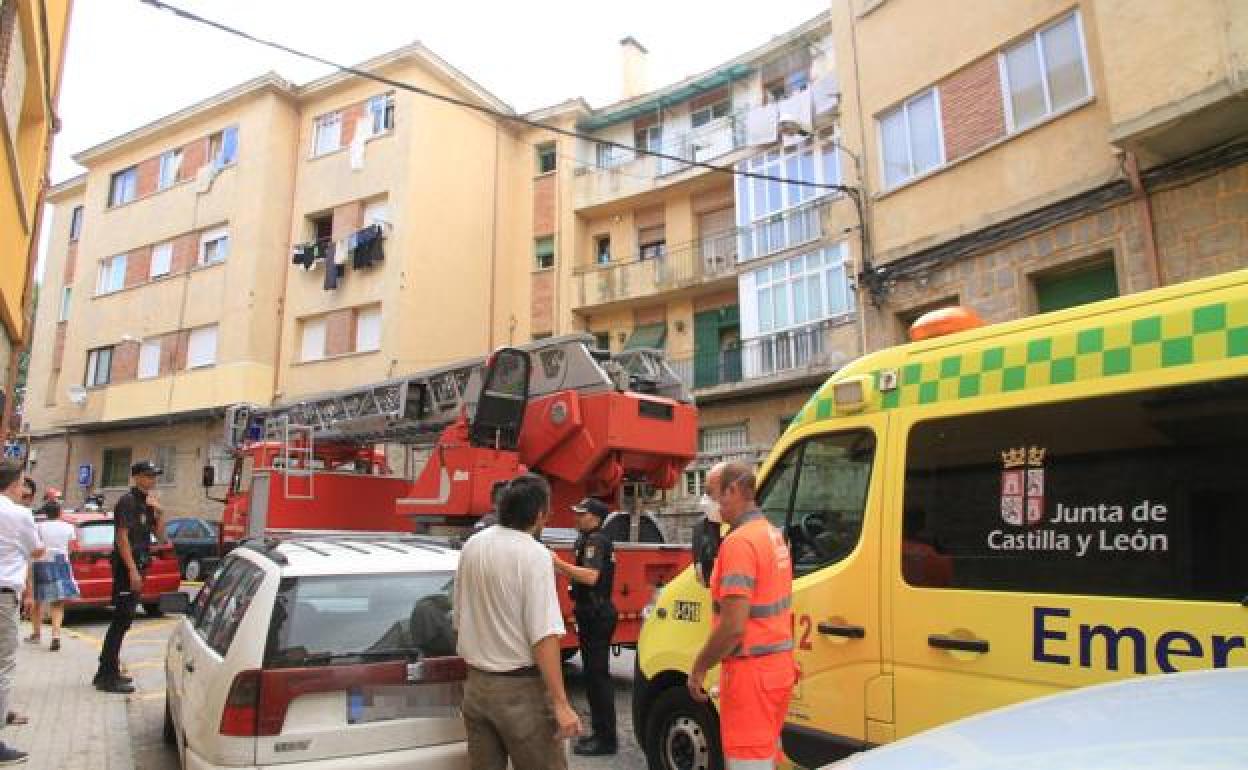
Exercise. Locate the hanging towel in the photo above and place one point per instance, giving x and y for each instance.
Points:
(827, 94)
(762, 124)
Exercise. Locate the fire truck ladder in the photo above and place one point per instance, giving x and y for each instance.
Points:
(298, 453)
(415, 408)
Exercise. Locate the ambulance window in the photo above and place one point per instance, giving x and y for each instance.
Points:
(818, 493)
(1137, 494)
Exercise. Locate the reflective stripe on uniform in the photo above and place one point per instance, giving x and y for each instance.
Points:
(749, 764)
(767, 610)
(737, 580)
(761, 649)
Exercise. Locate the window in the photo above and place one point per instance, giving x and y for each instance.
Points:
(726, 438)
(381, 111)
(223, 147)
(1079, 287)
(227, 603)
(774, 216)
(803, 289)
(112, 275)
(115, 467)
(910, 138)
(170, 163)
(123, 186)
(1045, 73)
(149, 359)
(368, 329)
(602, 340)
(222, 463)
(75, 224)
(602, 249)
(720, 109)
(649, 138)
(67, 294)
(610, 156)
(546, 158)
(201, 348)
(653, 242)
(377, 212)
(166, 458)
(214, 246)
(328, 134)
(695, 482)
(544, 253)
(312, 339)
(817, 493)
(99, 366)
(162, 259)
(1136, 495)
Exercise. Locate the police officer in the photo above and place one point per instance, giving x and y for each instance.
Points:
(135, 519)
(591, 579)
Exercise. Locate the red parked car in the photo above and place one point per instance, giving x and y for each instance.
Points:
(89, 557)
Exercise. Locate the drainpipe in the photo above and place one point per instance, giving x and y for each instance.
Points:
(1144, 204)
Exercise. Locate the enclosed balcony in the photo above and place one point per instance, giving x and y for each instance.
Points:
(711, 259)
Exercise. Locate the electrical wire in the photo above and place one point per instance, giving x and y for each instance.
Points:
(852, 192)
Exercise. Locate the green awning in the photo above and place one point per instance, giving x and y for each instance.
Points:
(684, 93)
(648, 336)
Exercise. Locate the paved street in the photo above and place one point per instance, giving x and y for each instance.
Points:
(73, 726)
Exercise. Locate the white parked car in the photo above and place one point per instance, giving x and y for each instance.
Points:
(316, 652)
(1190, 720)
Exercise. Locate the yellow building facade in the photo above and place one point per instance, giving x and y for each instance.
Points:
(32, 53)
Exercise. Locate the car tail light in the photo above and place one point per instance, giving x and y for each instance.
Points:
(239, 718)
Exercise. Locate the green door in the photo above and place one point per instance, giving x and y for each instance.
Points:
(708, 355)
(1079, 288)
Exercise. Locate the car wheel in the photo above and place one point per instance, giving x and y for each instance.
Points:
(193, 569)
(170, 734)
(682, 734)
(152, 609)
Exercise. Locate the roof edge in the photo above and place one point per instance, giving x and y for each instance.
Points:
(63, 189)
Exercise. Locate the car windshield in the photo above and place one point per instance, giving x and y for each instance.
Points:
(349, 618)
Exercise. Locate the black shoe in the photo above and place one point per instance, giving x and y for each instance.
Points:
(112, 678)
(55, 645)
(593, 746)
(117, 686)
(10, 756)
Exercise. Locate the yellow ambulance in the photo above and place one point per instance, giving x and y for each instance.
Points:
(992, 515)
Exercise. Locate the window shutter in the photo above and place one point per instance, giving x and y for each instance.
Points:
(368, 329)
(312, 347)
(201, 349)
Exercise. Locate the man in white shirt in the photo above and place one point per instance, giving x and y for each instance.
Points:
(507, 615)
(19, 543)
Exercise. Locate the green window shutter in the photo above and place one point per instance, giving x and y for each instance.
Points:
(706, 348)
(648, 336)
(1079, 288)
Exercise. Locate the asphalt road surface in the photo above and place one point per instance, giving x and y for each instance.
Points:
(144, 653)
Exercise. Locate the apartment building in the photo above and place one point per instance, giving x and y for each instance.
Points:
(268, 242)
(746, 284)
(32, 57)
(1043, 154)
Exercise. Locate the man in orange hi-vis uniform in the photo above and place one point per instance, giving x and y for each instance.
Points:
(752, 635)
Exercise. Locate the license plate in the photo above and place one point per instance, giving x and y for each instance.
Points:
(381, 703)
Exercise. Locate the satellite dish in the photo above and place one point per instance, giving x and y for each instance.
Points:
(77, 395)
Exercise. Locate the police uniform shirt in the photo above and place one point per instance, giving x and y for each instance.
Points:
(133, 513)
(595, 551)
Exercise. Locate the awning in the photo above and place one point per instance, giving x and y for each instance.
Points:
(679, 94)
(648, 336)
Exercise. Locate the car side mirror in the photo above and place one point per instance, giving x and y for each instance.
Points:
(209, 477)
(175, 603)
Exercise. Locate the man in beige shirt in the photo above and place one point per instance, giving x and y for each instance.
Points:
(509, 623)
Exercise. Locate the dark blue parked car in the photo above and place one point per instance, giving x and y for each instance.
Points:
(196, 544)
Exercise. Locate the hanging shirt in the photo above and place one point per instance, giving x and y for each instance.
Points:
(333, 270)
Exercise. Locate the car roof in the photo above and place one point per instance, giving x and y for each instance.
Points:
(1170, 720)
(86, 517)
(353, 556)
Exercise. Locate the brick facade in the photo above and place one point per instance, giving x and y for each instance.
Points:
(71, 262)
(125, 362)
(194, 156)
(972, 112)
(173, 352)
(138, 266)
(544, 205)
(148, 176)
(1201, 229)
(542, 302)
(185, 253)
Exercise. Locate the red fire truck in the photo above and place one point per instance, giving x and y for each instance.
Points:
(423, 453)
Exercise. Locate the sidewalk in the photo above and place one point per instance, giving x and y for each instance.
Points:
(72, 726)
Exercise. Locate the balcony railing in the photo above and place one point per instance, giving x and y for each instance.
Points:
(785, 230)
(707, 259)
(796, 351)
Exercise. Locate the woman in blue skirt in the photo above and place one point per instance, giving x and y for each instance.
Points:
(54, 578)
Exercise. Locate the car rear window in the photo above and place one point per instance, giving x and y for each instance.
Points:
(94, 535)
(354, 618)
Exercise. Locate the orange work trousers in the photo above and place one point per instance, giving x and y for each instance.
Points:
(753, 700)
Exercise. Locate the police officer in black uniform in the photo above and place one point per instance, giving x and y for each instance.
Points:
(136, 518)
(591, 579)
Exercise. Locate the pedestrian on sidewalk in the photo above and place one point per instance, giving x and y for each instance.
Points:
(19, 543)
(507, 615)
(54, 578)
(752, 630)
(136, 518)
(590, 582)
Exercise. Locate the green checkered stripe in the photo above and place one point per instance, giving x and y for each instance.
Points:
(1208, 333)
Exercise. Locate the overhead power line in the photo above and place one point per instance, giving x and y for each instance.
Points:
(852, 192)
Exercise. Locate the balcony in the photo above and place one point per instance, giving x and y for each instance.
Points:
(783, 359)
(785, 230)
(621, 173)
(711, 259)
